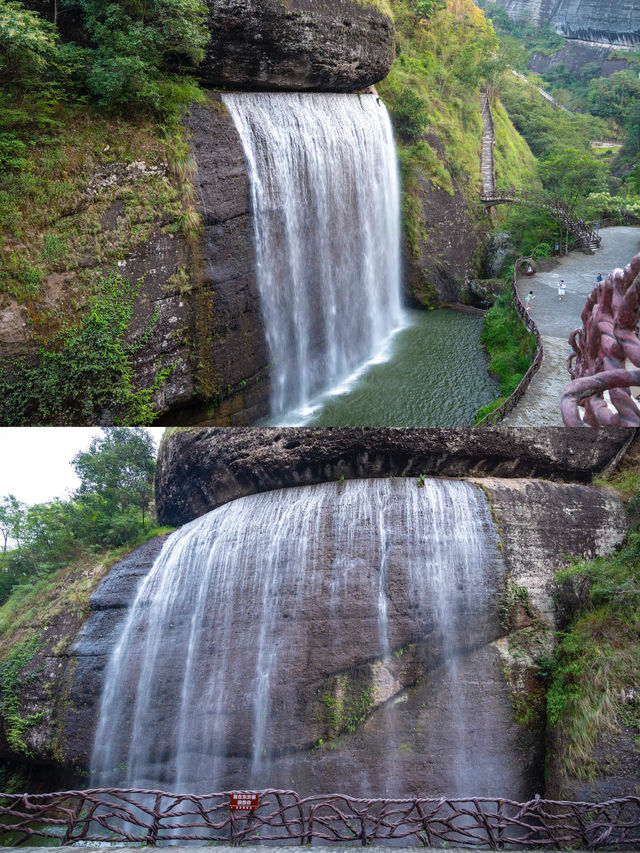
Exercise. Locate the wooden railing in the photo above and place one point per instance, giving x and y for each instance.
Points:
(149, 817)
(494, 417)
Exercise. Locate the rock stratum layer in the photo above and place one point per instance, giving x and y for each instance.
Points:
(297, 45)
(606, 22)
(200, 469)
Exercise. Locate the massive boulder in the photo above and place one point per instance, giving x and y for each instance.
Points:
(200, 469)
(297, 45)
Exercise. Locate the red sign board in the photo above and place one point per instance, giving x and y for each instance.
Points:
(243, 802)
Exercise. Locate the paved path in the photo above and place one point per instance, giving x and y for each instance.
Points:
(540, 406)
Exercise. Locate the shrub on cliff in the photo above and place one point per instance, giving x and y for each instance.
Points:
(510, 345)
(595, 673)
(136, 49)
(133, 54)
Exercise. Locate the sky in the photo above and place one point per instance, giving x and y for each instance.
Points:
(35, 462)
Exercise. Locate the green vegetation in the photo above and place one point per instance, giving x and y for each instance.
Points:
(616, 98)
(11, 680)
(108, 510)
(445, 52)
(120, 55)
(55, 555)
(94, 163)
(598, 656)
(514, 597)
(514, 163)
(82, 371)
(382, 5)
(345, 705)
(520, 38)
(511, 348)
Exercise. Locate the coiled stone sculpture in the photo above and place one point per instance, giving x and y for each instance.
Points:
(606, 354)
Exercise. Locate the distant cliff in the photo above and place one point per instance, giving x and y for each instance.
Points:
(607, 22)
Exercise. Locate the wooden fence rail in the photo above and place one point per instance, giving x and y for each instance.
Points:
(110, 815)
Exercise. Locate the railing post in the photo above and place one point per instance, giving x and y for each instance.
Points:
(152, 835)
(234, 835)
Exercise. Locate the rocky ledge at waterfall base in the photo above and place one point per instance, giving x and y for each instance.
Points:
(585, 521)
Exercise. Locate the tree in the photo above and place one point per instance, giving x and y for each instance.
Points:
(27, 43)
(136, 46)
(11, 519)
(426, 8)
(118, 469)
(572, 174)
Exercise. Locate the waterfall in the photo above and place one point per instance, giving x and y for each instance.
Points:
(249, 610)
(325, 202)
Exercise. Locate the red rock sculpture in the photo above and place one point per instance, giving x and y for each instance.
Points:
(606, 352)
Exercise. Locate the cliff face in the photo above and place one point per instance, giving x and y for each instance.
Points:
(615, 22)
(586, 520)
(209, 324)
(439, 259)
(608, 22)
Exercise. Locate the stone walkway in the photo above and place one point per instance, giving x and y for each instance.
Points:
(540, 406)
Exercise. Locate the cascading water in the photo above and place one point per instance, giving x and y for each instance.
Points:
(228, 648)
(325, 201)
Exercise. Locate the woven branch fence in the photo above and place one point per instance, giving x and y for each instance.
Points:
(494, 417)
(151, 817)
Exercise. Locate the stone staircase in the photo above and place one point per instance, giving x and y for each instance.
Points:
(488, 144)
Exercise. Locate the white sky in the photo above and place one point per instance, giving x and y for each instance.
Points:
(35, 462)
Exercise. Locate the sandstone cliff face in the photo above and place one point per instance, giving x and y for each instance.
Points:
(406, 684)
(608, 22)
(575, 55)
(615, 22)
(299, 45)
(199, 469)
(537, 12)
(204, 295)
(441, 259)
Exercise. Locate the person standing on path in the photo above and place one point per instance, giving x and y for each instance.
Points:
(527, 300)
(599, 278)
(562, 289)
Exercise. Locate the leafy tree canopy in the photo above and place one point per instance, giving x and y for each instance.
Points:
(109, 509)
(118, 467)
(129, 54)
(137, 46)
(570, 173)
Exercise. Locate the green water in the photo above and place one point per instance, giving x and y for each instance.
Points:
(436, 376)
